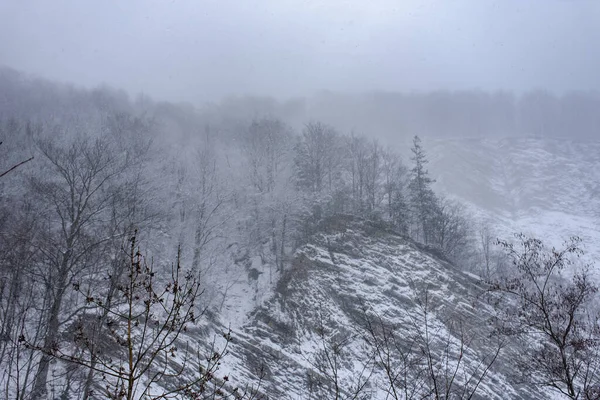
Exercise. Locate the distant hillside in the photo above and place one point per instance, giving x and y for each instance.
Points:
(546, 187)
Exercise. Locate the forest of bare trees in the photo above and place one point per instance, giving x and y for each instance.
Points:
(85, 313)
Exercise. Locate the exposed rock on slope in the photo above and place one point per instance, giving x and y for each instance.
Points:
(351, 270)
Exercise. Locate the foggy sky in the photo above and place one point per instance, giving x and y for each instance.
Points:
(206, 49)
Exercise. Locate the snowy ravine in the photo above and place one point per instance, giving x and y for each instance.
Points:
(349, 267)
(547, 188)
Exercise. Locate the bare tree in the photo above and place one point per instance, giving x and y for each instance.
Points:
(138, 352)
(396, 355)
(450, 228)
(330, 379)
(486, 241)
(19, 134)
(207, 203)
(17, 165)
(374, 194)
(18, 230)
(358, 165)
(317, 157)
(491, 259)
(449, 376)
(394, 177)
(79, 196)
(426, 360)
(266, 146)
(548, 309)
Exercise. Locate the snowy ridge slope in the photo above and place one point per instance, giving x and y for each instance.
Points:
(518, 175)
(351, 265)
(549, 188)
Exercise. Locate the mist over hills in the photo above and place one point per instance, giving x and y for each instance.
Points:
(545, 187)
(294, 261)
(385, 115)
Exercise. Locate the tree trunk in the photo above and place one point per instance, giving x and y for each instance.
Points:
(282, 247)
(52, 322)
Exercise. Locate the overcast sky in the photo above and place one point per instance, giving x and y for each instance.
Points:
(186, 50)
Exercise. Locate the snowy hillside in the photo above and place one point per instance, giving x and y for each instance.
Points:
(544, 187)
(348, 272)
(251, 208)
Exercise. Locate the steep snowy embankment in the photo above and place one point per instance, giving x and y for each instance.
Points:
(350, 267)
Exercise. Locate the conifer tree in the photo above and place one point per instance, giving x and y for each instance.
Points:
(422, 198)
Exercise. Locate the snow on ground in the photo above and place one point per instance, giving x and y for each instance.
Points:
(547, 188)
(349, 268)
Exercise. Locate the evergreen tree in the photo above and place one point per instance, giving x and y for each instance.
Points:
(422, 198)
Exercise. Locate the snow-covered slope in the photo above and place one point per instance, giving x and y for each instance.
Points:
(546, 187)
(350, 270)
(518, 175)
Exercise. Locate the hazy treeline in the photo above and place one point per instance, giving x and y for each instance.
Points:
(387, 115)
(224, 189)
(466, 113)
(229, 193)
